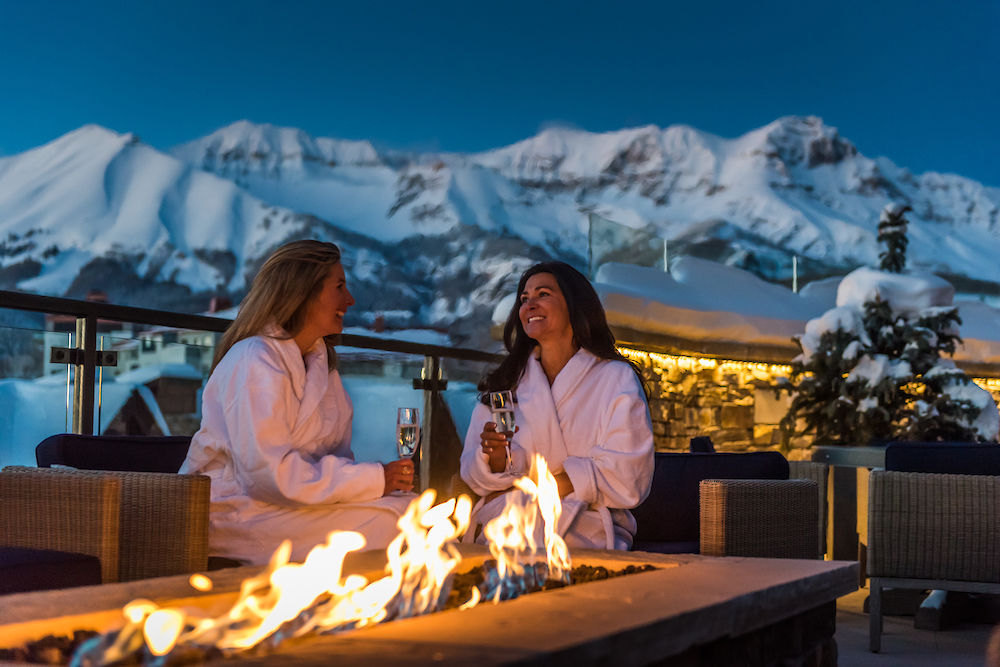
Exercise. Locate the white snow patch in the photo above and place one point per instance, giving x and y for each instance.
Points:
(907, 293)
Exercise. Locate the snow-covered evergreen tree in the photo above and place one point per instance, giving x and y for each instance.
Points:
(892, 233)
(872, 368)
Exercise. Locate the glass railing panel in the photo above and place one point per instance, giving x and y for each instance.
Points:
(155, 388)
(462, 394)
(378, 382)
(34, 394)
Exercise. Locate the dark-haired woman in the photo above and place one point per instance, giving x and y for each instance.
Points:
(275, 432)
(580, 404)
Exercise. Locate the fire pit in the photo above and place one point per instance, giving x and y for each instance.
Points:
(702, 609)
(709, 611)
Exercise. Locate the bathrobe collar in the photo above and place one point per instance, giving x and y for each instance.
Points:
(544, 405)
(309, 375)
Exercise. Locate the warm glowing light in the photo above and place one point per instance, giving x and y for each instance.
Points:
(527, 525)
(474, 600)
(756, 369)
(291, 599)
(137, 610)
(161, 630)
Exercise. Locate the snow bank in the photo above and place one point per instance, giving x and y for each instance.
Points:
(155, 371)
(375, 399)
(37, 409)
(703, 300)
(700, 300)
(907, 293)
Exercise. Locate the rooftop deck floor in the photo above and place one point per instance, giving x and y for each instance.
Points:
(902, 644)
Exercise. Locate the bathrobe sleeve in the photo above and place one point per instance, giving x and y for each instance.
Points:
(259, 410)
(618, 469)
(475, 467)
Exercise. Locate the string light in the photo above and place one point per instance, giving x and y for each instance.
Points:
(660, 361)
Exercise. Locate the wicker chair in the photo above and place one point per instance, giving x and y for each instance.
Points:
(160, 527)
(819, 473)
(761, 518)
(931, 531)
(76, 514)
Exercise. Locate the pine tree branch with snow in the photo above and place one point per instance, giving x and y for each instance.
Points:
(873, 368)
(892, 233)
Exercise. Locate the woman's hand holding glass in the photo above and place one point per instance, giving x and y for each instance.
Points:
(398, 476)
(503, 424)
(495, 446)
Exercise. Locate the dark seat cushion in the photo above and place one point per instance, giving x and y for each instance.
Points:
(221, 562)
(23, 570)
(671, 513)
(956, 458)
(133, 453)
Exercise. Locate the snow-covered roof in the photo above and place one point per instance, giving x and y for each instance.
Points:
(699, 300)
(154, 371)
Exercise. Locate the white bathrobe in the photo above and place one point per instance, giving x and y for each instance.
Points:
(275, 438)
(593, 423)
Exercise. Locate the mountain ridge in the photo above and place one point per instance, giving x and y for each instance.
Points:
(440, 235)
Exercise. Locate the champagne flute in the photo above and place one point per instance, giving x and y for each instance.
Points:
(502, 407)
(407, 436)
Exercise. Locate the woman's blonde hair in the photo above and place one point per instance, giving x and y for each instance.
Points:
(280, 292)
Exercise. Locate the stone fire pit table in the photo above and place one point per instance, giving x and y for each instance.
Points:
(693, 610)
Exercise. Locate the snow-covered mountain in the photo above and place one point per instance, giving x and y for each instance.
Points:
(434, 239)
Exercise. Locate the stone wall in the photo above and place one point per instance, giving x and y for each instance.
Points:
(735, 403)
(732, 402)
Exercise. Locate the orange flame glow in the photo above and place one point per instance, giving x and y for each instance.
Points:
(513, 535)
(291, 599)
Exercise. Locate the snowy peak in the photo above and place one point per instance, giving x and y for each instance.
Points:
(96, 196)
(574, 155)
(249, 148)
(96, 208)
(798, 141)
(87, 143)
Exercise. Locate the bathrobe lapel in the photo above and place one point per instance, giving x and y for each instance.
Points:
(309, 378)
(543, 406)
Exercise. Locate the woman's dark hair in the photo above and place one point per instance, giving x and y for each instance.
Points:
(586, 316)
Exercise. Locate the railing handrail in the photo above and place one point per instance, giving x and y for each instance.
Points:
(108, 311)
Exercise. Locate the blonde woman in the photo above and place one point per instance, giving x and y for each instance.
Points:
(275, 434)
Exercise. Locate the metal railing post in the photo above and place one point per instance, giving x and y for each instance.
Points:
(431, 372)
(85, 376)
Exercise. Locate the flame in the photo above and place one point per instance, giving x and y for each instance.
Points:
(161, 630)
(513, 535)
(291, 599)
(200, 582)
(544, 492)
(474, 600)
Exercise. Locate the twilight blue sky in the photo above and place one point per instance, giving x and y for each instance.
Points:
(915, 80)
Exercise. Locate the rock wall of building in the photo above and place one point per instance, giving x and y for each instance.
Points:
(735, 403)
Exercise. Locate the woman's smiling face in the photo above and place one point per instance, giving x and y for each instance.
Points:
(543, 312)
(325, 313)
